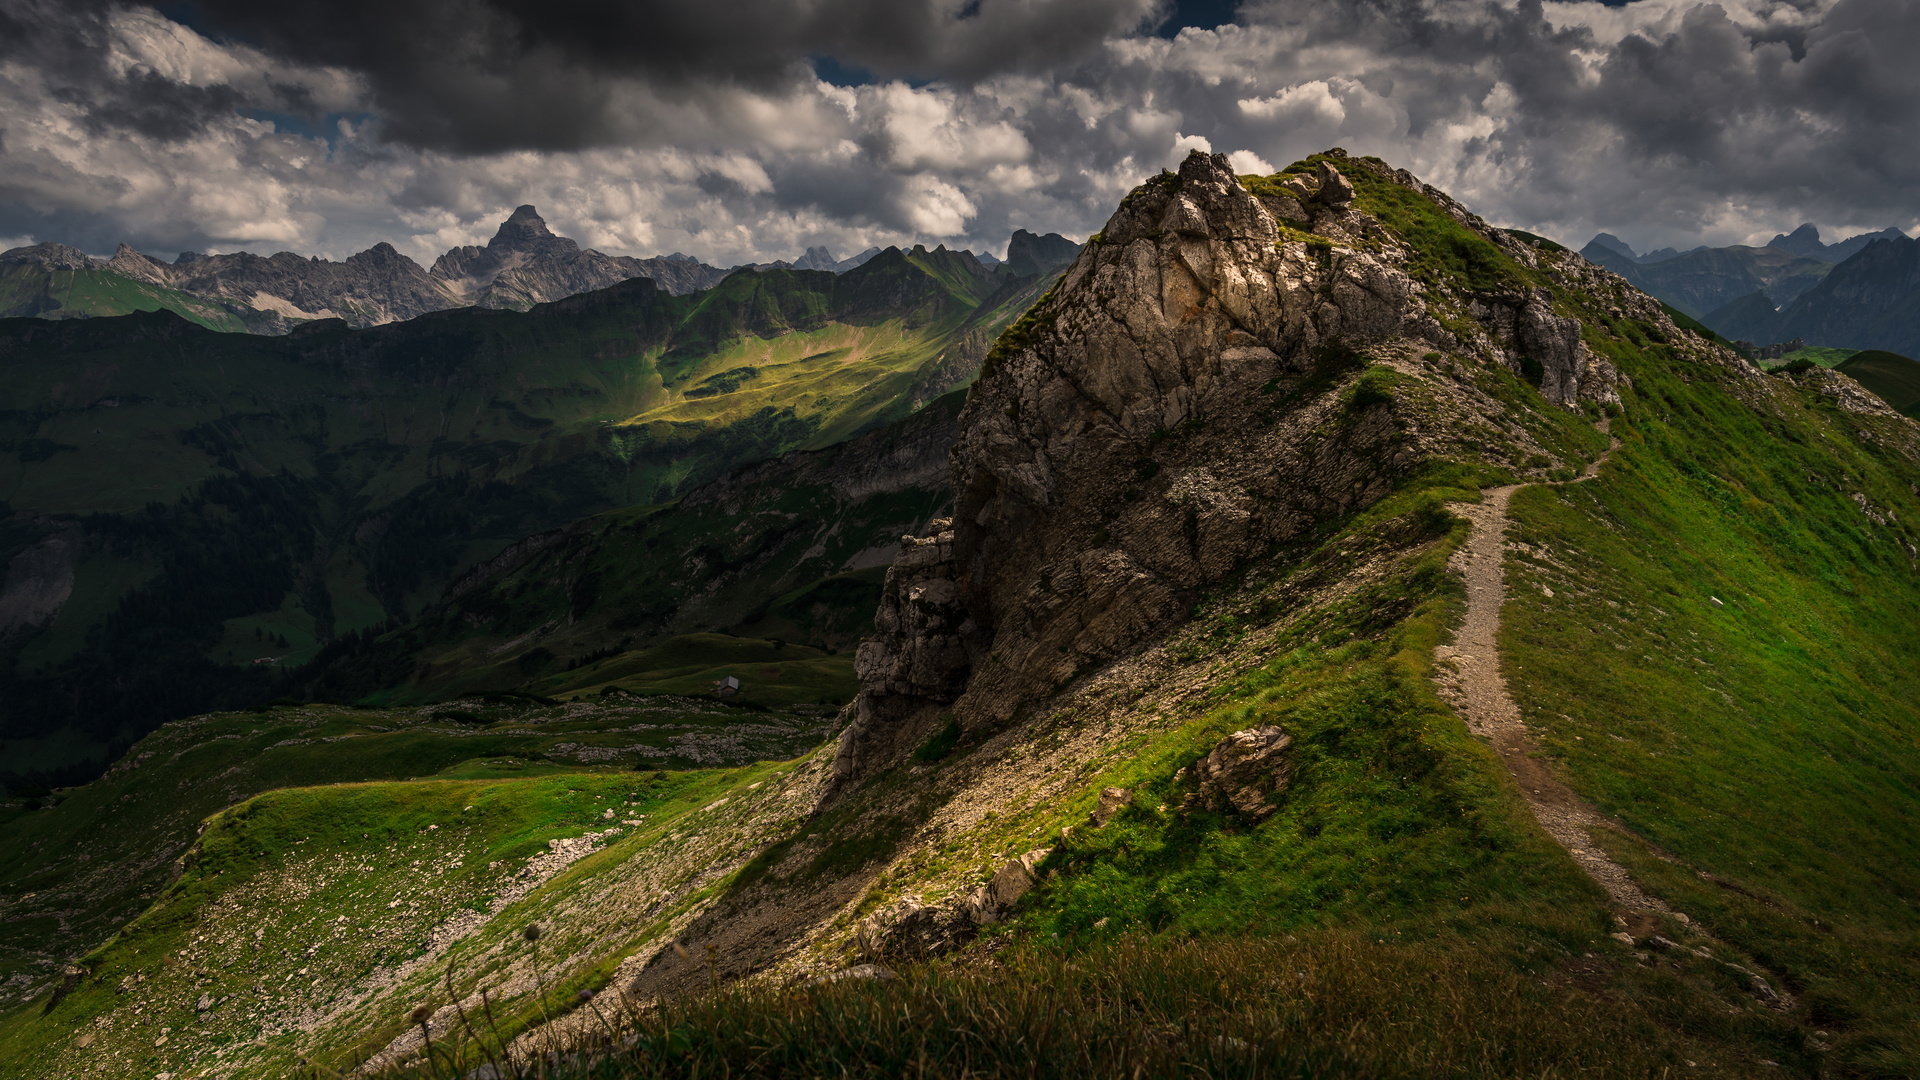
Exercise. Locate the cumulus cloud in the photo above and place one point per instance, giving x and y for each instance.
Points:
(651, 127)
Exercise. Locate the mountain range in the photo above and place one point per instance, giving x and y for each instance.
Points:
(1860, 293)
(524, 264)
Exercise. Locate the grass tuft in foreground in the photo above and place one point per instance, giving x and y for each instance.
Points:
(1332, 1002)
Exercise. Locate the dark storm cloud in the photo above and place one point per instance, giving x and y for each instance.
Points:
(648, 127)
(70, 46)
(489, 75)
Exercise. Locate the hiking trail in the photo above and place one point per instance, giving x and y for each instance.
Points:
(1469, 675)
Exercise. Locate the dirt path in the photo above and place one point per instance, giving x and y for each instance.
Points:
(1469, 676)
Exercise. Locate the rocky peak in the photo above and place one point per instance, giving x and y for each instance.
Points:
(1186, 399)
(1031, 254)
(524, 229)
(1803, 241)
(51, 255)
(816, 258)
(130, 263)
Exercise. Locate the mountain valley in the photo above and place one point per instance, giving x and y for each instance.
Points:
(188, 514)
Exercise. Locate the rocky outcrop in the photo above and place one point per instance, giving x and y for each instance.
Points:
(1126, 454)
(1125, 447)
(1542, 345)
(917, 657)
(1244, 772)
(910, 928)
(1183, 402)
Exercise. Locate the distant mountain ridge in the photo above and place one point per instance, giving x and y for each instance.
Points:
(1805, 242)
(524, 264)
(1870, 301)
(1705, 279)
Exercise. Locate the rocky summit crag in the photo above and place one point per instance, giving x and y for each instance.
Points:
(1169, 412)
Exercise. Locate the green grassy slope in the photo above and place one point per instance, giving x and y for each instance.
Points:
(1728, 666)
(242, 497)
(30, 289)
(77, 867)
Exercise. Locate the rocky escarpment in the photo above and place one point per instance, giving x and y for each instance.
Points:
(1203, 385)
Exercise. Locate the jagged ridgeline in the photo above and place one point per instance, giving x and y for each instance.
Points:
(1150, 770)
(176, 504)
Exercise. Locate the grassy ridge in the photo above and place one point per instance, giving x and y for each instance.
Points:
(1727, 665)
(1792, 731)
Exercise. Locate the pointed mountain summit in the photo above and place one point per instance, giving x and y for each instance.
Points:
(1805, 242)
(524, 227)
(526, 263)
(816, 258)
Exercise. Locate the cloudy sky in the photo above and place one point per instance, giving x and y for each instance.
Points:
(751, 129)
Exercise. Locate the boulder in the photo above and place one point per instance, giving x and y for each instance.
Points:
(1336, 191)
(1015, 878)
(1245, 771)
(1112, 801)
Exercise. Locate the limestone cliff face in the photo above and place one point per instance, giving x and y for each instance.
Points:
(1184, 400)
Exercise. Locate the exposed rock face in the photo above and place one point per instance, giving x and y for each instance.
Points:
(1175, 408)
(918, 656)
(52, 256)
(378, 285)
(1080, 524)
(1569, 372)
(1245, 772)
(911, 928)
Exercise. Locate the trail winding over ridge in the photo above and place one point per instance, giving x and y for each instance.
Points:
(1468, 672)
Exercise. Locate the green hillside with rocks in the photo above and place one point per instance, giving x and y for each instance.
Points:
(32, 289)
